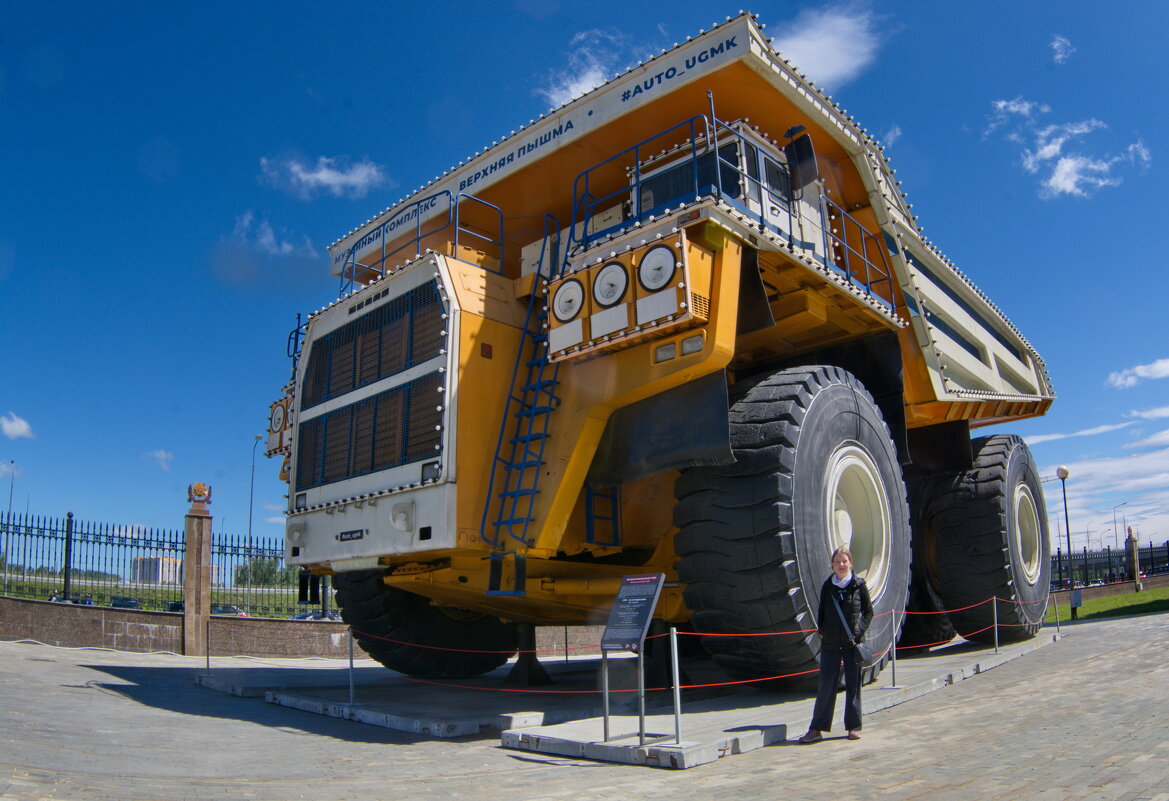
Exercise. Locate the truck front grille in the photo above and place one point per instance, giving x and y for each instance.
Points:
(392, 428)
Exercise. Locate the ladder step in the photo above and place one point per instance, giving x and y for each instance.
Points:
(528, 437)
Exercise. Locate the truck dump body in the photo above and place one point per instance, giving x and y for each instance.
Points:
(537, 356)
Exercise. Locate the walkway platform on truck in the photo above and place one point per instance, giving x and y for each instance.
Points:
(565, 718)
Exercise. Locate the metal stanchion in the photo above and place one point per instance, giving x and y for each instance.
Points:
(677, 685)
(893, 685)
(605, 690)
(350, 666)
(207, 641)
(1057, 616)
(994, 600)
(640, 697)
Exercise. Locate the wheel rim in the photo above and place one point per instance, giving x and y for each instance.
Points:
(857, 511)
(1027, 533)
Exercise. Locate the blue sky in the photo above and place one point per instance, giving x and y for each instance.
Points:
(171, 175)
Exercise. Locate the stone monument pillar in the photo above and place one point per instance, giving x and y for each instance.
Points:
(1133, 559)
(197, 571)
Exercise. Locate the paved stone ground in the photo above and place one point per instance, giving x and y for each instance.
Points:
(1084, 718)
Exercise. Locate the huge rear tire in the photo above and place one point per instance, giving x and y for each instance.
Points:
(926, 622)
(990, 533)
(815, 469)
(406, 633)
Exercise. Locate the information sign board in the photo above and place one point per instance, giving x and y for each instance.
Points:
(632, 612)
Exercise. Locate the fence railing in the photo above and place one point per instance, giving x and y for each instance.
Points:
(1108, 564)
(137, 567)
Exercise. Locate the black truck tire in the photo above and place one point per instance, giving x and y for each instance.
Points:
(926, 622)
(406, 633)
(990, 534)
(814, 469)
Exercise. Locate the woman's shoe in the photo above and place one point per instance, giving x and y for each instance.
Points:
(855, 734)
(812, 736)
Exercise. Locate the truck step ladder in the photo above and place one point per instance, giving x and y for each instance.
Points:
(519, 453)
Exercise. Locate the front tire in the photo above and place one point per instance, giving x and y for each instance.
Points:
(990, 530)
(406, 633)
(815, 469)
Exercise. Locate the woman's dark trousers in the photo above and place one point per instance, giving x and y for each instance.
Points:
(826, 696)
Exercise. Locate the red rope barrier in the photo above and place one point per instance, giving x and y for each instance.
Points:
(596, 646)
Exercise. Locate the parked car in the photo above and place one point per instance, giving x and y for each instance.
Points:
(216, 609)
(318, 614)
(227, 609)
(125, 602)
(84, 600)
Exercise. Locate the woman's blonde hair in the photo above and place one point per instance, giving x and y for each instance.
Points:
(844, 551)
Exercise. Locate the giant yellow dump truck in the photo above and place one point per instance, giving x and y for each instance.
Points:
(685, 323)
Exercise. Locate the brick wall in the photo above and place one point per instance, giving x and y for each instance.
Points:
(133, 630)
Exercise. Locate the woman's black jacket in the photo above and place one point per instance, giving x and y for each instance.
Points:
(857, 608)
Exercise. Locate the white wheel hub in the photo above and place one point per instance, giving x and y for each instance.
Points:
(857, 511)
(1027, 532)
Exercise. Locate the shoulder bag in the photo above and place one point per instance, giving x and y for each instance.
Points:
(864, 651)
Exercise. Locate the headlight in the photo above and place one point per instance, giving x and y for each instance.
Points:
(656, 268)
(567, 301)
(609, 285)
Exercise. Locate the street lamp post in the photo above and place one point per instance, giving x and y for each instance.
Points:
(1115, 530)
(8, 520)
(1062, 473)
(251, 494)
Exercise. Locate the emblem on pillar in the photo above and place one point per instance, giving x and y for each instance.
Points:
(199, 492)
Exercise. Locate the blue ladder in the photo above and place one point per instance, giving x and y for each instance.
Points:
(519, 453)
(596, 519)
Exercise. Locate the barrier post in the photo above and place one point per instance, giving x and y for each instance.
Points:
(207, 639)
(677, 685)
(640, 696)
(994, 599)
(1057, 616)
(893, 685)
(605, 689)
(350, 666)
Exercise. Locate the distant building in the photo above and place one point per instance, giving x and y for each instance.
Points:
(156, 570)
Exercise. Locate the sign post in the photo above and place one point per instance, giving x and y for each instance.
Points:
(625, 631)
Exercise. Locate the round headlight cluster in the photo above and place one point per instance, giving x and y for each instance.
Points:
(568, 300)
(656, 268)
(609, 286)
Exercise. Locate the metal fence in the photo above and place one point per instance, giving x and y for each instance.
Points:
(1108, 565)
(135, 567)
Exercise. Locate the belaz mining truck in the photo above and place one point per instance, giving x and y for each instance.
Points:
(685, 323)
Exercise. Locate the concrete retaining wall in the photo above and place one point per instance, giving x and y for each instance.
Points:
(134, 630)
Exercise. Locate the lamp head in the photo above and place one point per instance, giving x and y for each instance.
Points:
(1062, 472)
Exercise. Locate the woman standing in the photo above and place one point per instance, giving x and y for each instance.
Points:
(846, 592)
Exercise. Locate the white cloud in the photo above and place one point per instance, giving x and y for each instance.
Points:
(260, 235)
(1134, 375)
(1094, 486)
(129, 532)
(1056, 153)
(328, 175)
(258, 254)
(272, 507)
(595, 56)
(831, 45)
(276, 519)
(15, 427)
(9, 468)
(163, 458)
(1061, 49)
(1087, 432)
(1150, 414)
(1158, 440)
(893, 135)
